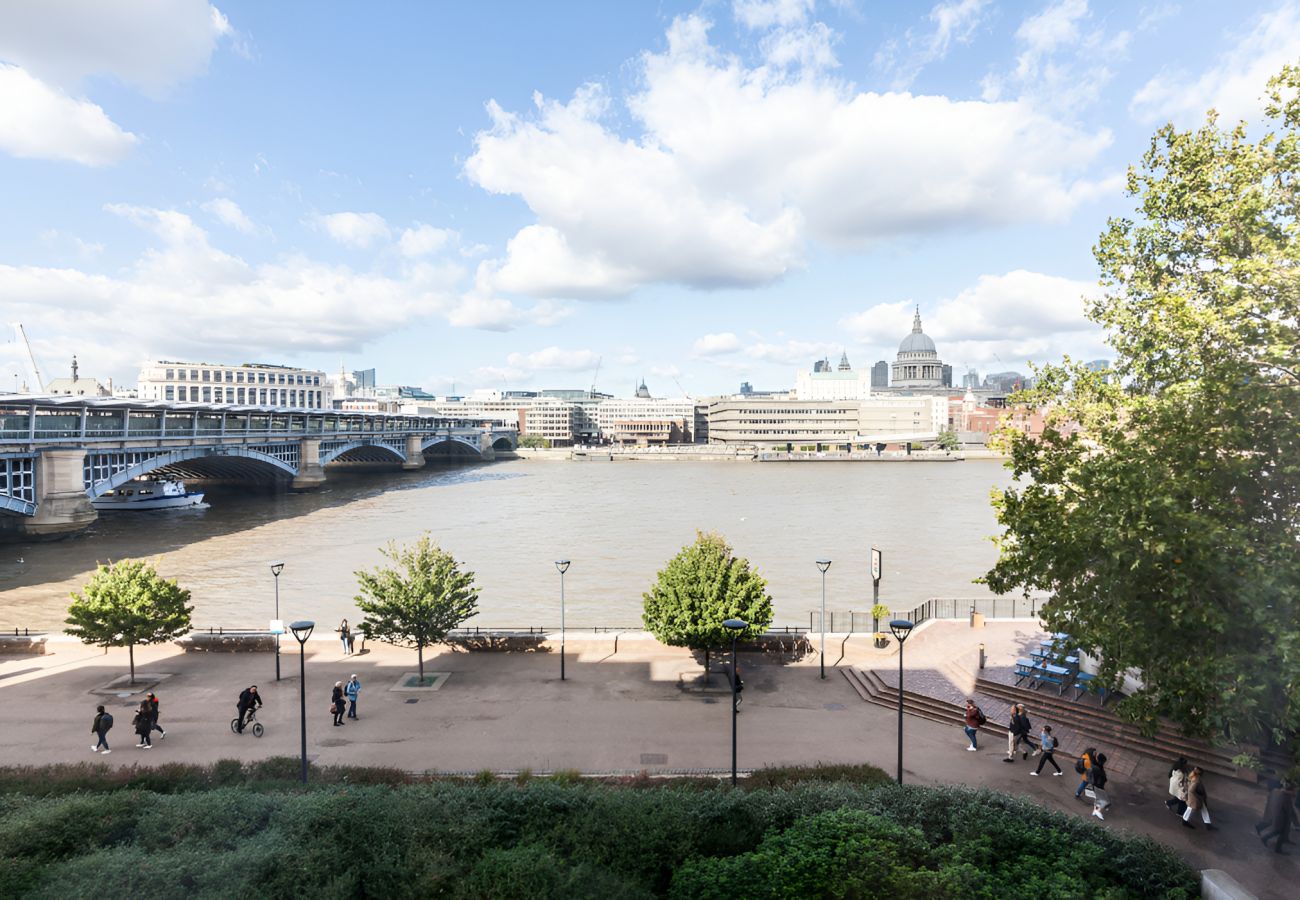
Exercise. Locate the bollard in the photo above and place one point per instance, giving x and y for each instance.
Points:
(981, 656)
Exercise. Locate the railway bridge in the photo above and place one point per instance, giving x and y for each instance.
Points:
(58, 453)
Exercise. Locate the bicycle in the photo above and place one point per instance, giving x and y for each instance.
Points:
(249, 719)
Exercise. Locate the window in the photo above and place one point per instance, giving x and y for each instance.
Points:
(315, 380)
(230, 376)
(194, 374)
(261, 395)
(239, 377)
(282, 378)
(241, 395)
(180, 375)
(261, 379)
(207, 395)
(169, 393)
(171, 374)
(207, 374)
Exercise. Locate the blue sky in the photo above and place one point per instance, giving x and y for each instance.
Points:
(503, 194)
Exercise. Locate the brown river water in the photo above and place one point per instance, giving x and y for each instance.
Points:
(618, 522)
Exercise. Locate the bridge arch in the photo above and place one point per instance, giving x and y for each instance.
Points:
(451, 446)
(370, 451)
(104, 472)
(503, 444)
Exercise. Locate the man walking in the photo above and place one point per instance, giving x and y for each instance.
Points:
(974, 719)
(352, 689)
(248, 699)
(99, 728)
(1047, 745)
(1279, 816)
(1017, 731)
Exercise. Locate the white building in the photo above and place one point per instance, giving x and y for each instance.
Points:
(250, 384)
(840, 383)
(616, 416)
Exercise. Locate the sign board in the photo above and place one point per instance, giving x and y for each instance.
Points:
(875, 564)
(277, 626)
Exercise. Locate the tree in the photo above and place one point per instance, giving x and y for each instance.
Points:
(127, 603)
(1164, 519)
(533, 441)
(947, 440)
(418, 600)
(700, 588)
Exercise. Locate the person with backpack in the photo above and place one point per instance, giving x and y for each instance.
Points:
(1083, 765)
(974, 719)
(352, 689)
(152, 700)
(99, 728)
(1047, 746)
(1177, 802)
(143, 724)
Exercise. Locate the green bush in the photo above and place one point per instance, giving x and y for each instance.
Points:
(823, 835)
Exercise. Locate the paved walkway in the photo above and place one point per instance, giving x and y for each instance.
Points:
(622, 709)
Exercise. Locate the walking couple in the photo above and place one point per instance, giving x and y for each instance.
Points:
(344, 699)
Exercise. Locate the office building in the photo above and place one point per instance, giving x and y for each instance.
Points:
(249, 384)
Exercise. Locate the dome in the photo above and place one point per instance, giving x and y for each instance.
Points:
(917, 342)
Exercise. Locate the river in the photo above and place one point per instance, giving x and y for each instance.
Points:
(618, 522)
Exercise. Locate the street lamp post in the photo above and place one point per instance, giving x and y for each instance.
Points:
(901, 629)
(302, 631)
(276, 568)
(823, 564)
(735, 626)
(563, 566)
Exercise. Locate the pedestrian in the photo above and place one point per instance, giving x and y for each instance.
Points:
(336, 703)
(248, 699)
(1279, 816)
(1083, 765)
(1197, 800)
(1097, 776)
(143, 723)
(152, 700)
(345, 636)
(1177, 801)
(352, 689)
(1047, 746)
(1025, 728)
(1017, 731)
(974, 719)
(103, 722)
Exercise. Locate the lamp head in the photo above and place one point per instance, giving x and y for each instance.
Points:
(302, 630)
(562, 565)
(735, 625)
(276, 568)
(901, 629)
(823, 564)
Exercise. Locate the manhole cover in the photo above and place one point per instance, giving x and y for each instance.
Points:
(413, 700)
(654, 759)
(124, 693)
(835, 706)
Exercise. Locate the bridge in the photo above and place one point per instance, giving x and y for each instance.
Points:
(58, 453)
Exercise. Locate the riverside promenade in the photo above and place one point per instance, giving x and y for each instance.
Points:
(629, 705)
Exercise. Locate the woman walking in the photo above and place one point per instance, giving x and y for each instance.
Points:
(337, 704)
(1047, 746)
(1083, 765)
(1098, 777)
(143, 723)
(1177, 801)
(1197, 800)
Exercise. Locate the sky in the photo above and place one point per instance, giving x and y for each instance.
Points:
(524, 195)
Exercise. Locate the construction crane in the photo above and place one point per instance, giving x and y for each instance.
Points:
(596, 373)
(31, 357)
(682, 389)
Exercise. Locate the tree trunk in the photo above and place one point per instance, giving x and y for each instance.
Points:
(706, 665)
(130, 651)
(419, 649)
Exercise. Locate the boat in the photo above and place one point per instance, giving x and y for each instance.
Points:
(148, 493)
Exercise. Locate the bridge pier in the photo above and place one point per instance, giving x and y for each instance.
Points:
(485, 448)
(62, 506)
(414, 453)
(311, 474)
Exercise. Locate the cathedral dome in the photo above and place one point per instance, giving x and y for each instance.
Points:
(917, 342)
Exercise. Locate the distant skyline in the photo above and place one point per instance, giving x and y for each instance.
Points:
(507, 195)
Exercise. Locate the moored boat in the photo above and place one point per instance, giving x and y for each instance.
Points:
(148, 493)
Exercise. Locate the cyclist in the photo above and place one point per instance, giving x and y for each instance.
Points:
(248, 699)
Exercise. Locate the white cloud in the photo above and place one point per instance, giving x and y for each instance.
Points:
(1001, 321)
(716, 344)
(553, 359)
(1234, 84)
(953, 21)
(810, 48)
(227, 212)
(760, 14)
(151, 44)
(737, 168)
(354, 229)
(41, 122)
(791, 353)
(423, 240)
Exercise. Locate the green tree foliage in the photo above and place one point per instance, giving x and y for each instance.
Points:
(127, 603)
(417, 600)
(1165, 527)
(700, 588)
(533, 441)
(948, 441)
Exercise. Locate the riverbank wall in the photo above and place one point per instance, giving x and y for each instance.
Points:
(707, 453)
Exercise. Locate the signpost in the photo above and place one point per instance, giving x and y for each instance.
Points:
(875, 575)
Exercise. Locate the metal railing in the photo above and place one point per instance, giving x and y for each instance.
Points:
(854, 621)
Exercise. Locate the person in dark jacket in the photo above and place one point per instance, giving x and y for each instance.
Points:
(143, 723)
(1279, 816)
(248, 699)
(337, 703)
(152, 700)
(1097, 778)
(99, 728)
